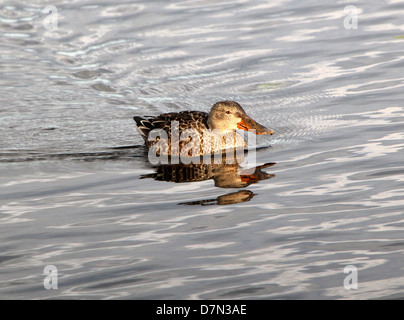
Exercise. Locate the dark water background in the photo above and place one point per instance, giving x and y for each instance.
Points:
(335, 196)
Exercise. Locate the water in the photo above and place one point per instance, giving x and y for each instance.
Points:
(72, 196)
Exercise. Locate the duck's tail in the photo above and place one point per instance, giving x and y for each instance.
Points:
(143, 126)
(146, 124)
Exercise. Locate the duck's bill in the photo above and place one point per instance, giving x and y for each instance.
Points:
(248, 123)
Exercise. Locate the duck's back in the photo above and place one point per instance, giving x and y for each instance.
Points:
(197, 120)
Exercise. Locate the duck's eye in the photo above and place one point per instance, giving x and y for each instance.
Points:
(228, 112)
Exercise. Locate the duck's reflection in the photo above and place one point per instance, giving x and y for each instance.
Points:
(229, 198)
(223, 174)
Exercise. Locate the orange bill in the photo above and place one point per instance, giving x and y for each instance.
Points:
(248, 123)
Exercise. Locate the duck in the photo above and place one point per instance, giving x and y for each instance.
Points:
(184, 132)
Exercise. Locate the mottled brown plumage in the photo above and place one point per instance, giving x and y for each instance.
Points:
(222, 122)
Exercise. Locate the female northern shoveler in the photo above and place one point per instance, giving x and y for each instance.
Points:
(185, 131)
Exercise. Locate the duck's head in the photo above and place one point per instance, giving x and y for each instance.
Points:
(230, 116)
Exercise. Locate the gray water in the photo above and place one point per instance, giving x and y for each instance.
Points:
(73, 197)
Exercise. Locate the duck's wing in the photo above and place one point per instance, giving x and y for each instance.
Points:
(197, 120)
(185, 120)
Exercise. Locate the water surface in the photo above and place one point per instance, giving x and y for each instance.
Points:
(115, 227)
